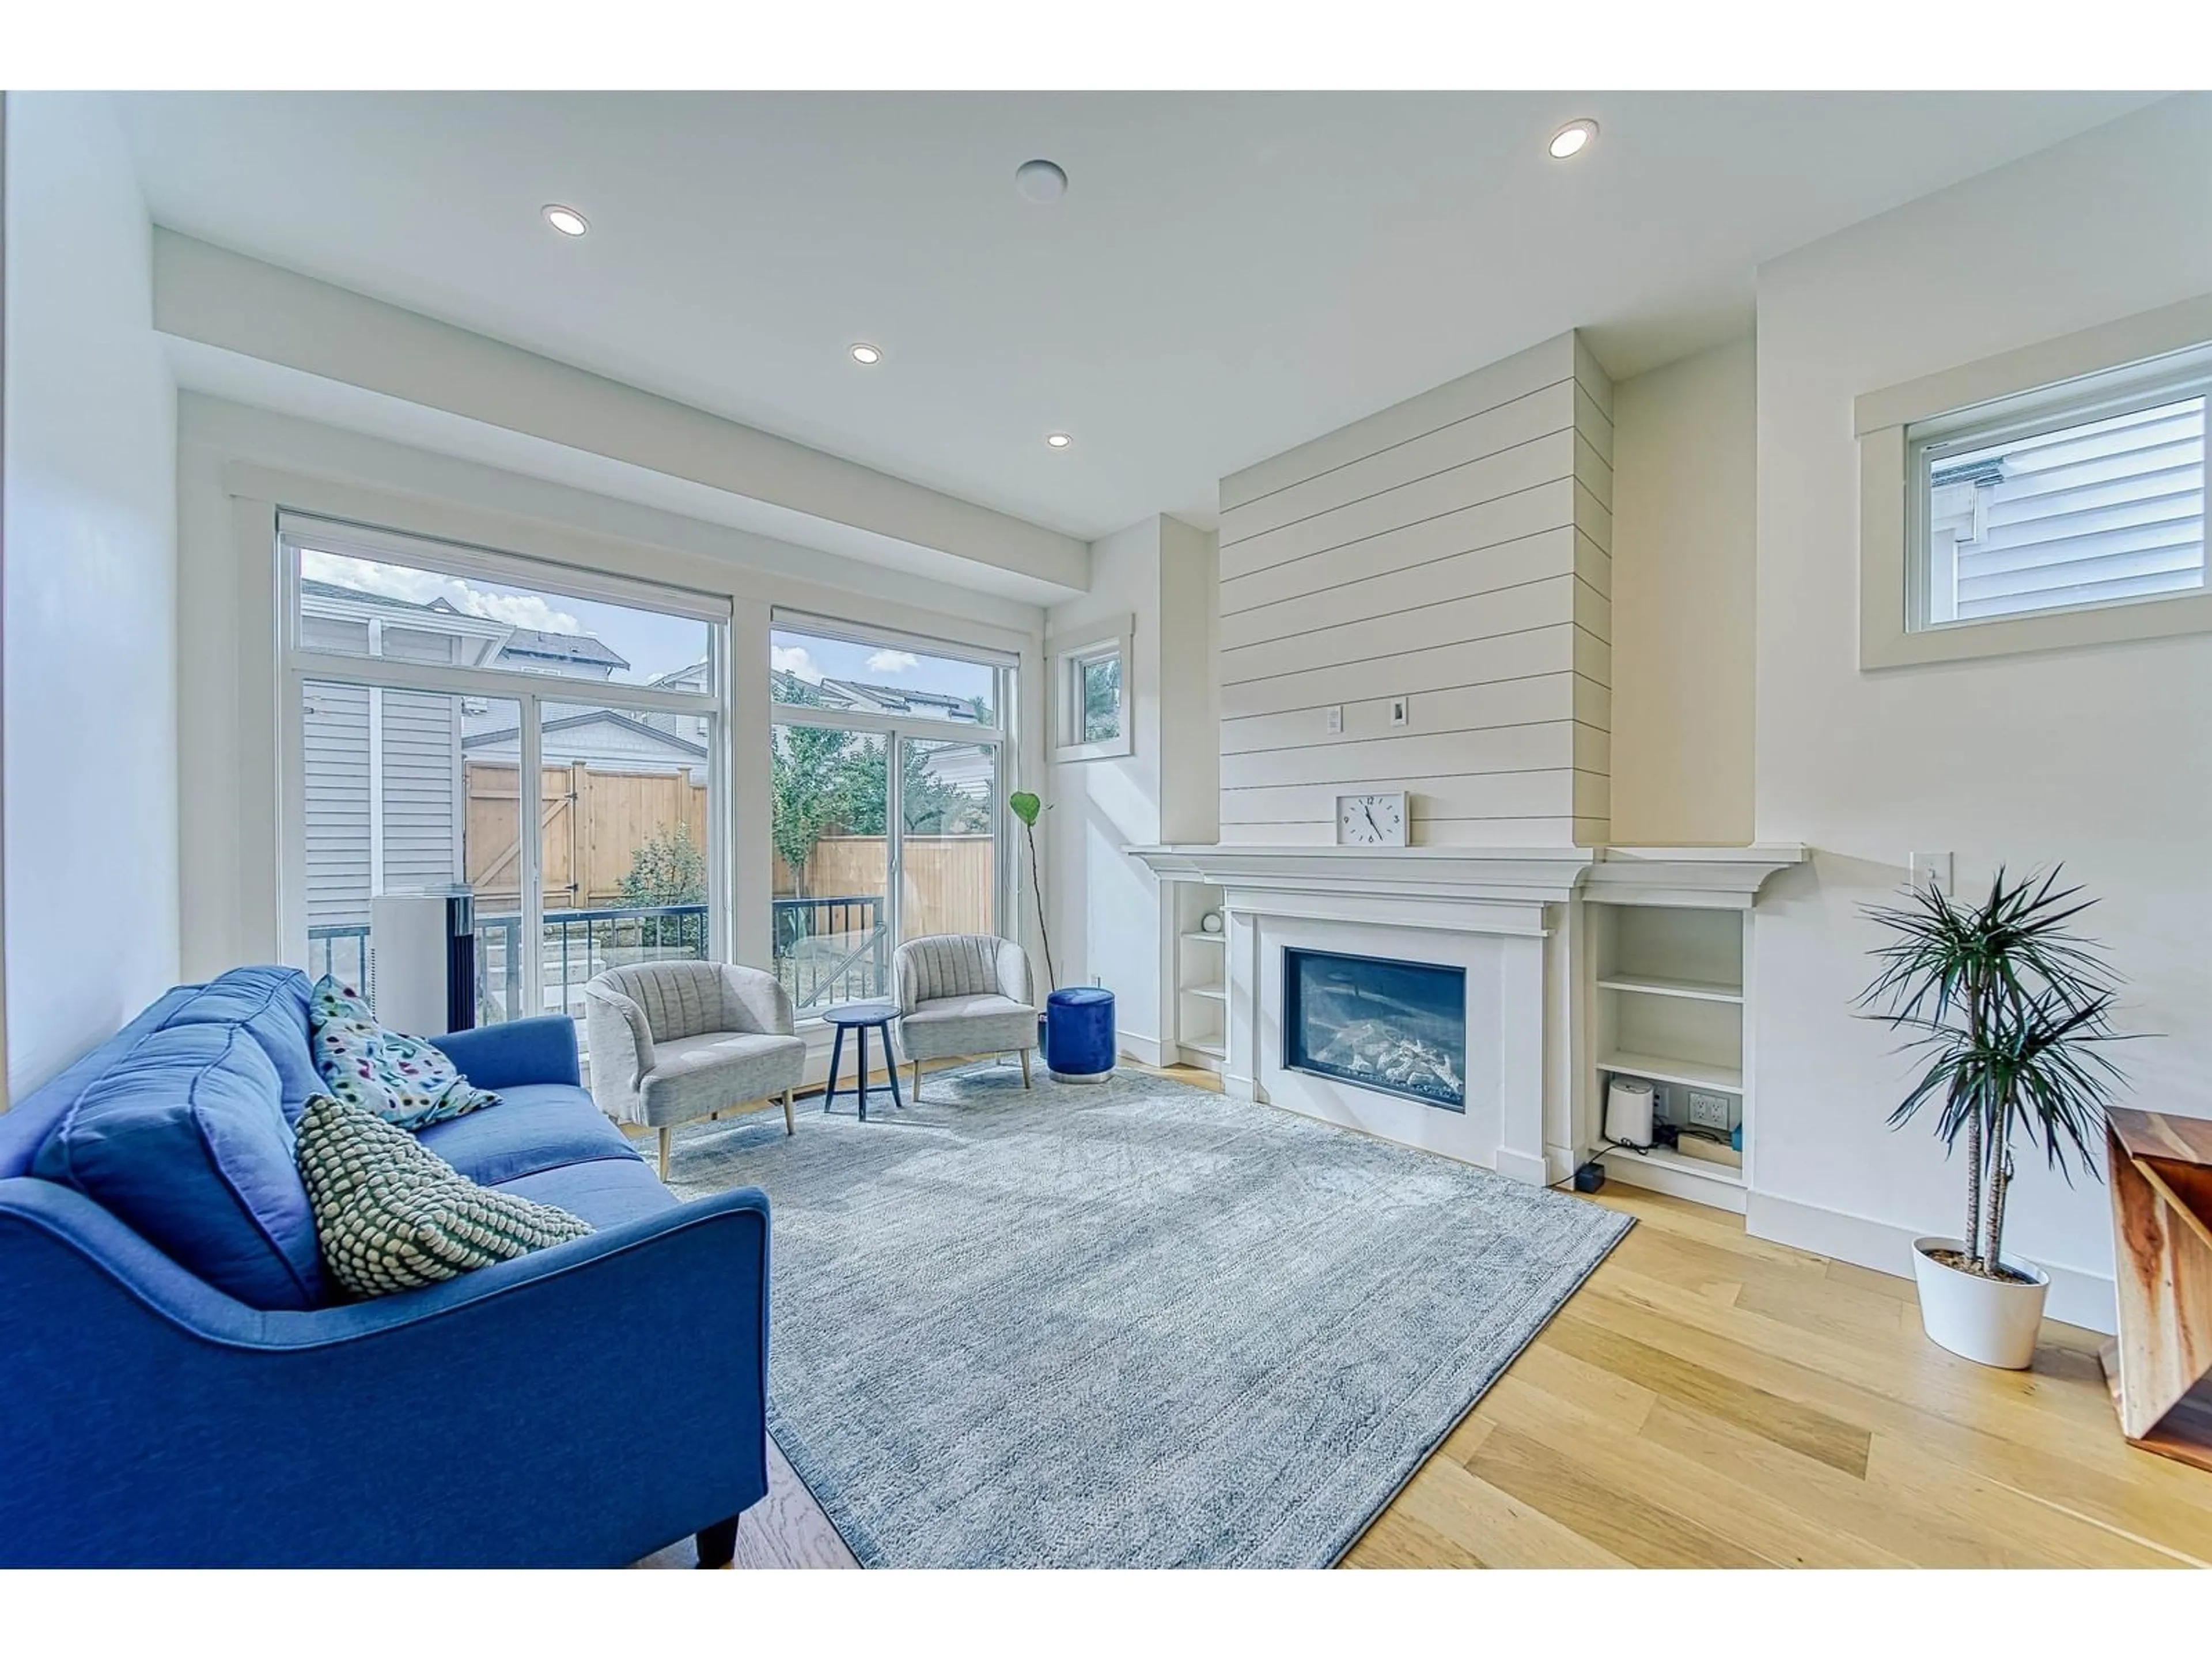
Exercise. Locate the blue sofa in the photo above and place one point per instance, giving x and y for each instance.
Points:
(585, 1405)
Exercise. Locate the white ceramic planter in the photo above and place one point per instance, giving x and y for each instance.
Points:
(1985, 1320)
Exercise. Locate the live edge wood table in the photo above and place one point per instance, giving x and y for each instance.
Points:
(2161, 1174)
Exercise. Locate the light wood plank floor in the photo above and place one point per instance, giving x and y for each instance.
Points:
(1708, 1399)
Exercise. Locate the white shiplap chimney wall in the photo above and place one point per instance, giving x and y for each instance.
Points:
(1454, 550)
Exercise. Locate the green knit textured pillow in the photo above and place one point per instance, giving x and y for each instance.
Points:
(392, 1215)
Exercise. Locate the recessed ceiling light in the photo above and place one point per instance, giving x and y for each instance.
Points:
(1041, 180)
(1572, 139)
(566, 219)
(1057, 439)
(865, 353)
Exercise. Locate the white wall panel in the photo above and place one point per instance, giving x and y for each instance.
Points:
(1488, 569)
(1563, 649)
(1478, 617)
(1522, 467)
(1488, 524)
(1446, 561)
(1493, 432)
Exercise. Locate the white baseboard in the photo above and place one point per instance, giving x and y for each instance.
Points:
(1148, 1051)
(2078, 1297)
(1238, 1088)
(1523, 1167)
(1709, 1190)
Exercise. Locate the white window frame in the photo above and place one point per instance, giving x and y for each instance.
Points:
(2157, 356)
(1071, 653)
(897, 729)
(302, 666)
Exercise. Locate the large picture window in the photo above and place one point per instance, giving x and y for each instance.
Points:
(887, 780)
(549, 741)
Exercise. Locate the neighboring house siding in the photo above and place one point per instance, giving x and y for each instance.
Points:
(2112, 509)
(337, 789)
(421, 790)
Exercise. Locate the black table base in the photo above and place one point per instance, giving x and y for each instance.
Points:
(861, 1018)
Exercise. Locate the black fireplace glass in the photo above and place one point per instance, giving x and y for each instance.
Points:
(1399, 1027)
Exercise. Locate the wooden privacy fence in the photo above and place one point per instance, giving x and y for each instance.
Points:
(595, 819)
(949, 886)
(593, 822)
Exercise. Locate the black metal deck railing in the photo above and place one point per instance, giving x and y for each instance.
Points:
(828, 950)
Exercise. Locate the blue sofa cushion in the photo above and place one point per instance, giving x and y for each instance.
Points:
(183, 1139)
(605, 1192)
(535, 1126)
(271, 1003)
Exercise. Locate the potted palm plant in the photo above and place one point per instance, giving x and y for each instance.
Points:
(2009, 1009)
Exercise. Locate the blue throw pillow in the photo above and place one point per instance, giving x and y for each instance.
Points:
(183, 1140)
(272, 1004)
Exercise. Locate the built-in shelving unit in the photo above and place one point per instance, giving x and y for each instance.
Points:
(1669, 1008)
(1200, 966)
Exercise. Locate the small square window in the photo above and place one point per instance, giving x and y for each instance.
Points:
(1100, 677)
(1091, 716)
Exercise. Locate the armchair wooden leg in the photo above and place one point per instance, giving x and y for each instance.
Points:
(1025, 1068)
(667, 1135)
(917, 1083)
(718, 1544)
(790, 1123)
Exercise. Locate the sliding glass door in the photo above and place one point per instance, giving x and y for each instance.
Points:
(887, 813)
(549, 743)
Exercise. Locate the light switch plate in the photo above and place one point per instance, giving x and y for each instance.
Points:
(1400, 710)
(1932, 870)
(1336, 719)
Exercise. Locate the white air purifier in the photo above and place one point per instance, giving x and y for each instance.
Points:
(1628, 1112)
(407, 962)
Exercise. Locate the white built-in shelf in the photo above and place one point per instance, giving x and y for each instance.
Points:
(1214, 1050)
(1660, 1069)
(1659, 1157)
(1696, 990)
(1210, 992)
(1207, 938)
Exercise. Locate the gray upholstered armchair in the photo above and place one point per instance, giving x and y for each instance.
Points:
(674, 1041)
(962, 994)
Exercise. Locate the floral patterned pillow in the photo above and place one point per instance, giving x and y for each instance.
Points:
(404, 1080)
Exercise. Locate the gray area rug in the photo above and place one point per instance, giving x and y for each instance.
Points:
(1127, 1325)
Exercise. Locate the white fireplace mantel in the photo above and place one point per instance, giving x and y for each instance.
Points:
(1724, 875)
(1510, 916)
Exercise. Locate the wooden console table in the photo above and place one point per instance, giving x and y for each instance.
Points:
(2160, 1369)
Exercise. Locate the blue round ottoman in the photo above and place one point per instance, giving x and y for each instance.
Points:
(1079, 1044)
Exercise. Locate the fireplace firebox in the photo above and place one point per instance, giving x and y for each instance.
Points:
(1398, 1027)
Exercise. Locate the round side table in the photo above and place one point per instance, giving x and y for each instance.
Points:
(861, 1017)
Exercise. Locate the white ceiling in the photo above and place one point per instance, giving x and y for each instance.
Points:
(1229, 276)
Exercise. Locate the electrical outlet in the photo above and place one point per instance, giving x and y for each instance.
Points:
(1336, 720)
(1708, 1111)
(1400, 710)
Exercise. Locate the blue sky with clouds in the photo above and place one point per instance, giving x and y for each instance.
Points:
(654, 645)
(812, 658)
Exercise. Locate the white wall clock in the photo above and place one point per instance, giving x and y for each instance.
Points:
(1371, 820)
